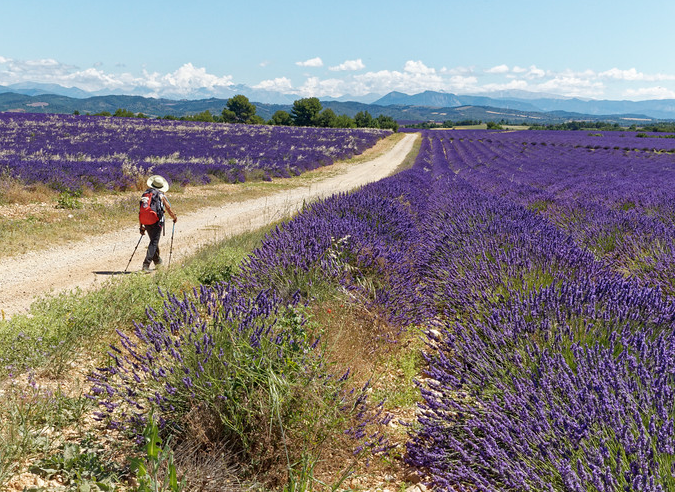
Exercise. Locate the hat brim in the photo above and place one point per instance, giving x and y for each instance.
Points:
(152, 179)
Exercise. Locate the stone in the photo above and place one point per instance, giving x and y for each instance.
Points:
(418, 487)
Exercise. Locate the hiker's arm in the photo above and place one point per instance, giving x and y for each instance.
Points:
(167, 207)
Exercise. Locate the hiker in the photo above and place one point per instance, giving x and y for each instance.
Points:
(151, 217)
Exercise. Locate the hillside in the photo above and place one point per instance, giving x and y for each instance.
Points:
(431, 107)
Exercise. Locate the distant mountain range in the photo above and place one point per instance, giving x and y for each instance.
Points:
(520, 100)
(514, 106)
(259, 95)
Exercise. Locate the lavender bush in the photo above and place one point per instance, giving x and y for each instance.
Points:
(223, 366)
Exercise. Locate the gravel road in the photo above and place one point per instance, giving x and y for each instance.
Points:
(88, 264)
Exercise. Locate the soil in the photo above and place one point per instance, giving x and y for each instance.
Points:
(88, 264)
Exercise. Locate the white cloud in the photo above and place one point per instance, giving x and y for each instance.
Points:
(184, 80)
(348, 65)
(314, 86)
(499, 69)
(93, 79)
(20, 70)
(312, 62)
(350, 78)
(417, 67)
(511, 85)
(532, 72)
(571, 85)
(632, 75)
(615, 73)
(535, 73)
(280, 84)
(650, 93)
(458, 70)
(416, 77)
(460, 83)
(586, 74)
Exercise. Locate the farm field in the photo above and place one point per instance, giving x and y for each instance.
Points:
(75, 153)
(81, 258)
(548, 263)
(43, 330)
(538, 266)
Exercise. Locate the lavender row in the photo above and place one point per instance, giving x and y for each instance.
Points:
(70, 152)
(547, 374)
(617, 204)
(552, 370)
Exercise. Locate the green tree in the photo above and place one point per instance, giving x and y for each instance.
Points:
(124, 113)
(305, 111)
(239, 110)
(282, 118)
(204, 116)
(326, 119)
(386, 122)
(344, 121)
(364, 119)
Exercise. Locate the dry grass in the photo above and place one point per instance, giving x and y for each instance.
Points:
(375, 351)
(13, 192)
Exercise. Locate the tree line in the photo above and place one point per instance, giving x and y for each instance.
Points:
(305, 112)
(428, 125)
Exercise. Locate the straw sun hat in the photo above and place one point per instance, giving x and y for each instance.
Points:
(158, 182)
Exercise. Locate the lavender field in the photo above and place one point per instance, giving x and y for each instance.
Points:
(542, 266)
(68, 152)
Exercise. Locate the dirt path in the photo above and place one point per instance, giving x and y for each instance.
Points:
(89, 263)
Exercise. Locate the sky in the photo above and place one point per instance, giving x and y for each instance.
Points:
(596, 49)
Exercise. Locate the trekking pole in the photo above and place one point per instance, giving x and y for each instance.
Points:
(132, 254)
(171, 248)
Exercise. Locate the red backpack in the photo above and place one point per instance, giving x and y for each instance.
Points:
(151, 210)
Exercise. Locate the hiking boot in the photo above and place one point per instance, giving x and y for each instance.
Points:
(146, 268)
(158, 262)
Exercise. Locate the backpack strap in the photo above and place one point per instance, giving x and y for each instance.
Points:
(160, 206)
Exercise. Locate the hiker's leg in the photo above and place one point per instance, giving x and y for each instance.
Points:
(156, 259)
(154, 233)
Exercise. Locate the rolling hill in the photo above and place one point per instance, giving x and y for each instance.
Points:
(427, 106)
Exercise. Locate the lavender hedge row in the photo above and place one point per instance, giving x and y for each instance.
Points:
(68, 152)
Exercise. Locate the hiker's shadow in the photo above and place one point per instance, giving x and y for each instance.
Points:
(110, 272)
